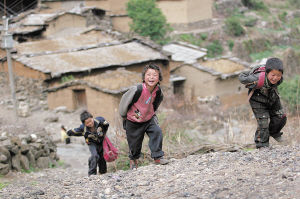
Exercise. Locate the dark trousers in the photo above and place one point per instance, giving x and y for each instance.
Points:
(270, 122)
(96, 159)
(135, 135)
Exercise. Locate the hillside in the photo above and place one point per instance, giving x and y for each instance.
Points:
(264, 173)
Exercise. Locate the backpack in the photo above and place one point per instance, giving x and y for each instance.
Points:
(138, 93)
(110, 153)
(261, 78)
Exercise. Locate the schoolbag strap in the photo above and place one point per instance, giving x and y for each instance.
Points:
(157, 98)
(261, 79)
(136, 96)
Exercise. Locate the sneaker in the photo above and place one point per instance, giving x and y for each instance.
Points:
(161, 161)
(279, 139)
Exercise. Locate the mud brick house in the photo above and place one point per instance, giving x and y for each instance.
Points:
(180, 14)
(210, 78)
(75, 68)
(37, 25)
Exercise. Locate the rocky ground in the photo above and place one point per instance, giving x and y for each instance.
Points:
(265, 173)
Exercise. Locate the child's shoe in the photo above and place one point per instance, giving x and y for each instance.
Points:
(279, 139)
(161, 161)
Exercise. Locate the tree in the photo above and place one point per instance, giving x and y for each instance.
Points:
(147, 19)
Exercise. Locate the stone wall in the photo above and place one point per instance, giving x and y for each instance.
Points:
(26, 152)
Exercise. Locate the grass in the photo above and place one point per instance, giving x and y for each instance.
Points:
(3, 184)
(261, 55)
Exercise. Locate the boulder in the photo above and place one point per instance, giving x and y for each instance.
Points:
(31, 159)
(16, 165)
(24, 162)
(4, 169)
(43, 162)
(23, 109)
(5, 152)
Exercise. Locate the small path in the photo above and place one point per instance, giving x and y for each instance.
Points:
(74, 155)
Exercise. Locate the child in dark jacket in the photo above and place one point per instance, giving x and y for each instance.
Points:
(93, 130)
(137, 107)
(265, 102)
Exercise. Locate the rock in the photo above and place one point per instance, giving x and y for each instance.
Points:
(5, 152)
(3, 158)
(4, 169)
(51, 119)
(23, 109)
(61, 109)
(31, 159)
(24, 162)
(43, 162)
(16, 162)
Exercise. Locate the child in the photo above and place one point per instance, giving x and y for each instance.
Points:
(64, 137)
(265, 101)
(137, 107)
(93, 130)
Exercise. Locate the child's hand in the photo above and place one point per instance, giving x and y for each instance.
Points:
(69, 132)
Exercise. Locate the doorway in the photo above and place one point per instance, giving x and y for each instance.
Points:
(79, 97)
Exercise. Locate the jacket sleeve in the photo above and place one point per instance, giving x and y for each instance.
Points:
(76, 131)
(161, 97)
(126, 100)
(103, 123)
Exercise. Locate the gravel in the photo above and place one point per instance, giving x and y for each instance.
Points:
(261, 173)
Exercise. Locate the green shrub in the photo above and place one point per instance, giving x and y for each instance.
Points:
(255, 4)
(67, 78)
(190, 38)
(282, 16)
(233, 26)
(2, 185)
(215, 48)
(250, 22)
(147, 19)
(230, 44)
(203, 36)
(290, 92)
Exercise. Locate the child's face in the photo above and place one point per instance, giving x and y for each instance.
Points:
(274, 76)
(151, 77)
(89, 122)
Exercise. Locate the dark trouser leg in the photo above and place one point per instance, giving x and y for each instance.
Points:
(93, 160)
(155, 139)
(135, 136)
(101, 161)
(277, 122)
(262, 116)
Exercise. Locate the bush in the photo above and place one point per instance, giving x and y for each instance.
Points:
(233, 26)
(290, 92)
(215, 48)
(254, 4)
(147, 19)
(282, 16)
(250, 22)
(230, 44)
(190, 38)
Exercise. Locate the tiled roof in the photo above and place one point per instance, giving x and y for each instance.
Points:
(184, 53)
(123, 54)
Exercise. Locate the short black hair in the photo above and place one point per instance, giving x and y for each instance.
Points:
(274, 64)
(152, 66)
(85, 115)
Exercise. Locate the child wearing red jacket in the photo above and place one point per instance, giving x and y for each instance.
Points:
(137, 107)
